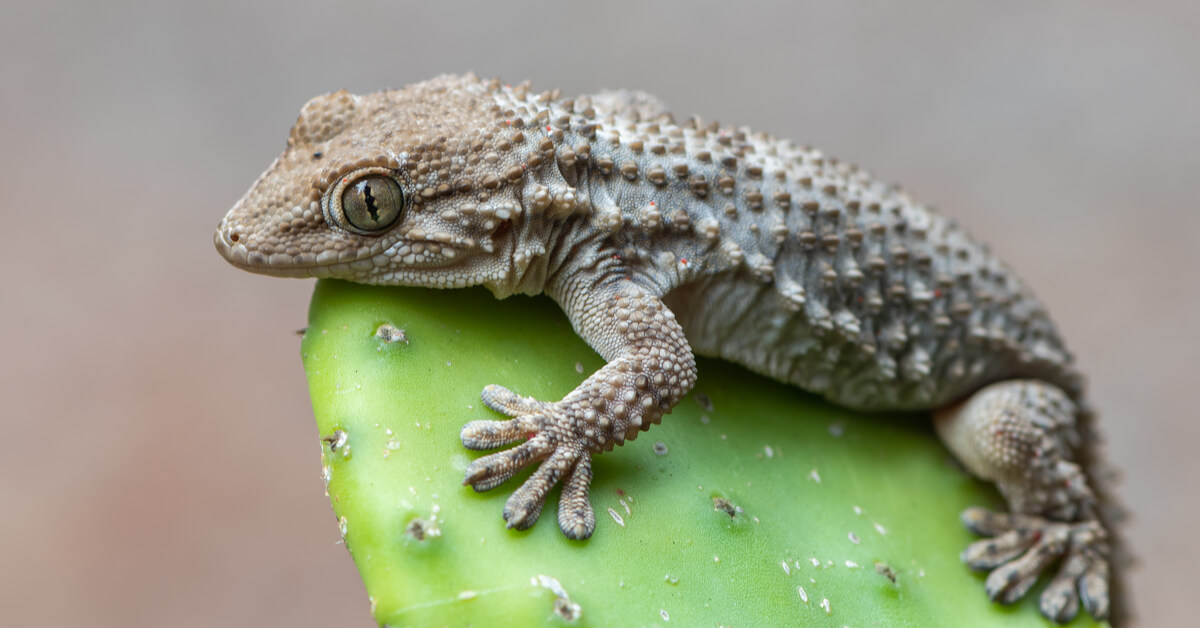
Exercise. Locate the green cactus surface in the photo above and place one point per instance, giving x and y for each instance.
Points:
(753, 504)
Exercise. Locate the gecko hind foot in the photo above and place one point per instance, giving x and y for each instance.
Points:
(550, 442)
(1021, 547)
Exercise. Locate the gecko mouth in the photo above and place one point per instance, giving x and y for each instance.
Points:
(410, 253)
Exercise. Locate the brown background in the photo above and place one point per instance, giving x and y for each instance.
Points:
(160, 463)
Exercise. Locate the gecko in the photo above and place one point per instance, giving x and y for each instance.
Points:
(663, 239)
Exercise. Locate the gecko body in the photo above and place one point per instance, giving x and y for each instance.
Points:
(661, 238)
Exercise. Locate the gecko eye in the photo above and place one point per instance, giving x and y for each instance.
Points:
(372, 203)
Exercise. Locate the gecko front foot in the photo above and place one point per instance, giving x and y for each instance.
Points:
(551, 439)
(1021, 547)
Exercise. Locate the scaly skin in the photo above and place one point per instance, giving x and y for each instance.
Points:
(659, 239)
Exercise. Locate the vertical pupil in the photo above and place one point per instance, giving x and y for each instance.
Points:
(370, 199)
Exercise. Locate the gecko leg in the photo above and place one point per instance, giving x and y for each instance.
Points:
(1022, 435)
(650, 367)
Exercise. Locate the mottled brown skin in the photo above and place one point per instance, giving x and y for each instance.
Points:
(659, 239)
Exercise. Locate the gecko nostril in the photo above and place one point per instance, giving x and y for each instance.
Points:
(233, 237)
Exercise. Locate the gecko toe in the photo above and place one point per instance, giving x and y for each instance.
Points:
(1093, 589)
(507, 402)
(485, 434)
(493, 470)
(576, 518)
(986, 522)
(991, 553)
(1093, 584)
(1060, 600)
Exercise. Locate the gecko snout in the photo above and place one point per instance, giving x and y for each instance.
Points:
(226, 241)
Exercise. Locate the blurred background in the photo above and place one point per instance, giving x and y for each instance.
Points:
(161, 466)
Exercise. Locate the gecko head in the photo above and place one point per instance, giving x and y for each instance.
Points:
(401, 187)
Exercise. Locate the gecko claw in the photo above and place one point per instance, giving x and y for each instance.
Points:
(521, 515)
